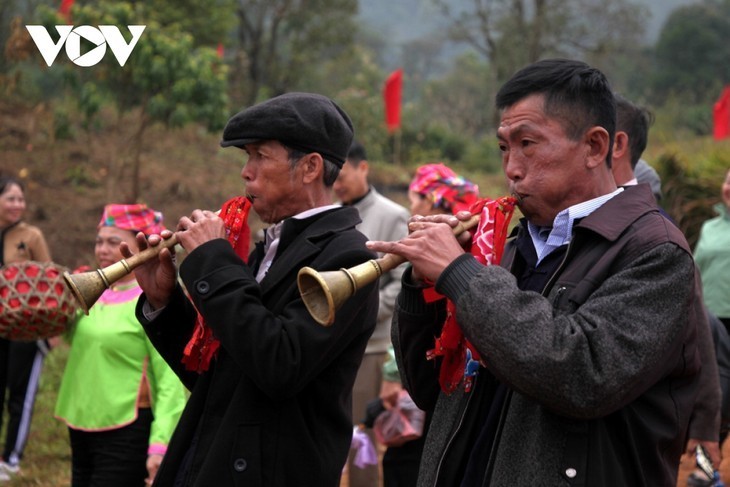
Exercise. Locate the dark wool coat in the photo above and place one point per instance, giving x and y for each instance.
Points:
(275, 407)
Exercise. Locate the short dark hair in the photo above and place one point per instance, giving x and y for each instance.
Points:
(7, 181)
(575, 93)
(356, 154)
(635, 121)
(330, 169)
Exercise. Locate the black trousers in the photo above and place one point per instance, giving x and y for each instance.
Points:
(21, 364)
(400, 464)
(114, 458)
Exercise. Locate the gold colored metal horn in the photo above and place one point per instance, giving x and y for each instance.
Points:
(87, 287)
(324, 292)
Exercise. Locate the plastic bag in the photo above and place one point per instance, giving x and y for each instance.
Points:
(400, 424)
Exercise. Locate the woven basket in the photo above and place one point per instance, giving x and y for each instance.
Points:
(34, 301)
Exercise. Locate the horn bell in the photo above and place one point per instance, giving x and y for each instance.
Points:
(324, 293)
(87, 287)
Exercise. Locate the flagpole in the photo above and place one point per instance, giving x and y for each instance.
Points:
(396, 147)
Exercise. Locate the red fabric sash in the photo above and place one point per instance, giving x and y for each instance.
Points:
(203, 345)
(460, 359)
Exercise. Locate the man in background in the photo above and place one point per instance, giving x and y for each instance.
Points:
(647, 174)
(632, 134)
(382, 219)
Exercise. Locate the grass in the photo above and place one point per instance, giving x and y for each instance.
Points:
(47, 458)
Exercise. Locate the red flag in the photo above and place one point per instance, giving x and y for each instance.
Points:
(392, 97)
(721, 115)
(65, 9)
(219, 50)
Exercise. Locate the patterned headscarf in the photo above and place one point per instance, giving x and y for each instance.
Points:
(449, 191)
(137, 218)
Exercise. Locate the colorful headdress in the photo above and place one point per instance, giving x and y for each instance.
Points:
(449, 191)
(137, 218)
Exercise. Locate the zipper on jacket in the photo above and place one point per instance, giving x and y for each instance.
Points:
(545, 290)
(508, 397)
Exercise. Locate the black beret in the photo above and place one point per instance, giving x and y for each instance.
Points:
(303, 121)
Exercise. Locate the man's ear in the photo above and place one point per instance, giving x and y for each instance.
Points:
(364, 166)
(620, 145)
(312, 167)
(597, 142)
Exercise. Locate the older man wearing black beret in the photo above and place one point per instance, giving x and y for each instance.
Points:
(273, 407)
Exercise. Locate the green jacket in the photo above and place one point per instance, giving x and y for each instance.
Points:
(109, 359)
(712, 255)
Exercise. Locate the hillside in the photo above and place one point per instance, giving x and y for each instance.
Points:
(68, 179)
(68, 182)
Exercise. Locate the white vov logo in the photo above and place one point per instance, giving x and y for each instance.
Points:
(71, 36)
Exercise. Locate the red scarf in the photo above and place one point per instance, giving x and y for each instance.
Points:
(460, 359)
(203, 345)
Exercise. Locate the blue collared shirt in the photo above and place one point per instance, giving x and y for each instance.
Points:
(547, 239)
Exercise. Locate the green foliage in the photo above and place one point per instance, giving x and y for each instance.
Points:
(463, 99)
(432, 143)
(354, 81)
(170, 79)
(688, 194)
(36, 84)
(62, 123)
(177, 82)
(78, 175)
(484, 156)
(692, 54)
(680, 116)
(209, 23)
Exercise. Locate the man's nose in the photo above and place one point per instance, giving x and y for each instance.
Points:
(513, 168)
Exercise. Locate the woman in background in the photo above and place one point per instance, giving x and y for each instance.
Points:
(435, 189)
(118, 397)
(712, 255)
(20, 362)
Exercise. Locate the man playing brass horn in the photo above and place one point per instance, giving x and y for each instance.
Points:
(272, 407)
(585, 332)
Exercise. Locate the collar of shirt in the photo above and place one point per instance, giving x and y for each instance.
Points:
(358, 200)
(547, 239)
(273, 234)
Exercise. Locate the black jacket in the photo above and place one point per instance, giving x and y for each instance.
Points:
(275, 407)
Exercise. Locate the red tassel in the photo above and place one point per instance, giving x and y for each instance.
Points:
(203, 345)
(487, 247)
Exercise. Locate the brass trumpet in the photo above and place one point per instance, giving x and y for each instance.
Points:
(324, 292)
(87, 287)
